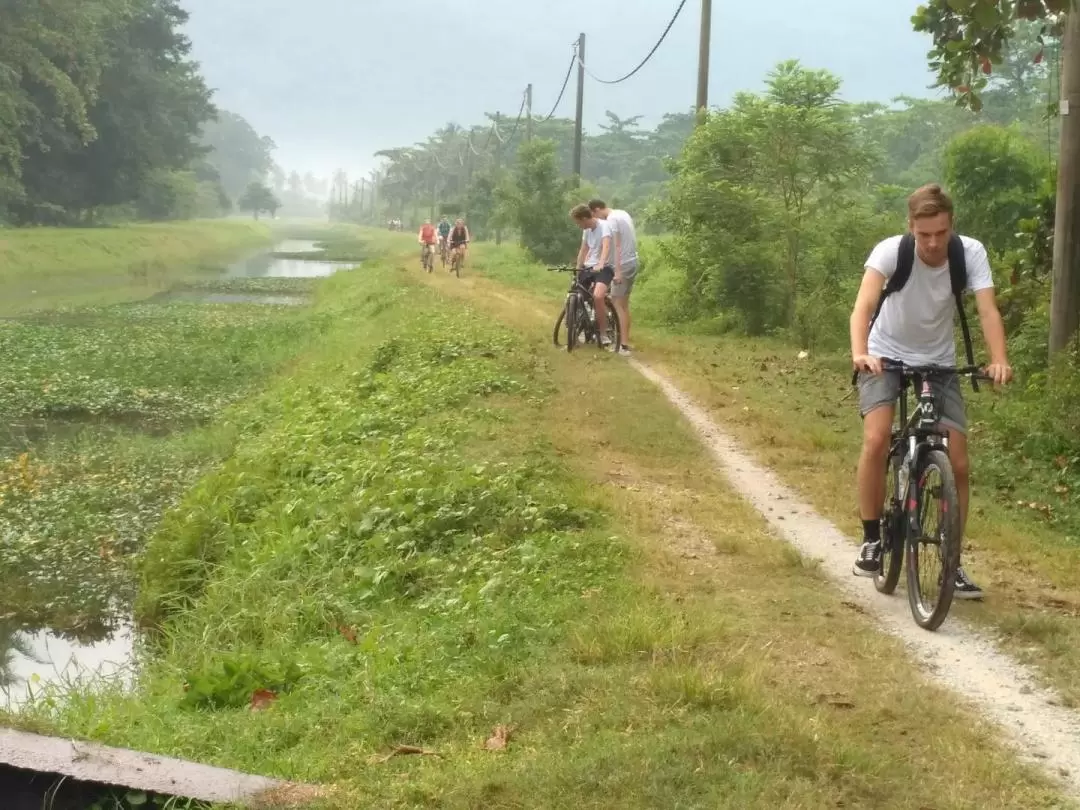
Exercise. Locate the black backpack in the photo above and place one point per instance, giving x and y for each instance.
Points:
(905, 261)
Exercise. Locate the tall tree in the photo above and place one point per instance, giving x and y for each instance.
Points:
(970, 38)
(237, 151)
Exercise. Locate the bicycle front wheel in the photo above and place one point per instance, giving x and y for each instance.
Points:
(934, 554)
(572, 324)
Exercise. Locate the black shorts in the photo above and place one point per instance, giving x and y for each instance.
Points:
(457, 244)
(605, 275)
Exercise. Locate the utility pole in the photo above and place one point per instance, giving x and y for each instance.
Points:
(1065, 293)
(703, 57)
(498, 166)
(580, 108)
(528, 113)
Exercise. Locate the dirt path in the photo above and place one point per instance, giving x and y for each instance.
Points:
(1001, 690)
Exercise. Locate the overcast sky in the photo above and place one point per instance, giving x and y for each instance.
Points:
(332, 81)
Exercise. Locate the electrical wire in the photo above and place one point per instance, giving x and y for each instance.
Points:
(643, 62)
(566, 81)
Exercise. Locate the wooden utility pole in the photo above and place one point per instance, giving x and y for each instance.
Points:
(703, 57)
(1065, 294)
(580, 108)
(528, 113)
(498, 165)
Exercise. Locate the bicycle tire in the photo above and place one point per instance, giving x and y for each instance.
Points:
(571, 312)
(614, 330)
(892, 532)
(558, 326)
(930, 618)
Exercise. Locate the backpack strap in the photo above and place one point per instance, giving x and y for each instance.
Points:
(905, 261)
(958, 278)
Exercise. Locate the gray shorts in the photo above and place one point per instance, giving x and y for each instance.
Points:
(629, 274)
(878, 390)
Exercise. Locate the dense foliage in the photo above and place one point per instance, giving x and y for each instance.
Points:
(103, 114)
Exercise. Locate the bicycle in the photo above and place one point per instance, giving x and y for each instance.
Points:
(443, 250)
(456, 261)
(919, 448)
(427, 257)
(578, 314)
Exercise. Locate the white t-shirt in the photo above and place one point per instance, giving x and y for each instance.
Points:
(623, 227)
(915, 325)
(594, 237)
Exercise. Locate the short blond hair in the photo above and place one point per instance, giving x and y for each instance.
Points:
(929, 201)
(581, 212)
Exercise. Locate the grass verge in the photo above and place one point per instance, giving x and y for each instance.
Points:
(430, 536)
(42, 268)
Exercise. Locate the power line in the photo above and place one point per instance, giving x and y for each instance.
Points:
(517, 122)
(644, 61)
(566, 82)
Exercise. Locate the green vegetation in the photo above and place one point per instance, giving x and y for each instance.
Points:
(104, 117)
(401, 553)
(43, 268)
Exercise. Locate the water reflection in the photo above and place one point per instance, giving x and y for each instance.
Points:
(30, 661)
(267, 265)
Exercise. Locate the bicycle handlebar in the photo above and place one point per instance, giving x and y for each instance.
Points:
(975, 372)
(562, 268)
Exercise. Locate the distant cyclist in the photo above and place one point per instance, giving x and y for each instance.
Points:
(427, 238)
(444, 232)
(459, 238)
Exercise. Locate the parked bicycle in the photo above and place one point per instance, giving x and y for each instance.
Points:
(921, 519)
(578, 315)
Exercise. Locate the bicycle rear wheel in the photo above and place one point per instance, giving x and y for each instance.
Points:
(614, 328)
(892, 532)
(934, 555)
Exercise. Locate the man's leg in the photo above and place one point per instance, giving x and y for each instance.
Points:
(954, 417)
(600, 290)
(620, 299)
(877, 398)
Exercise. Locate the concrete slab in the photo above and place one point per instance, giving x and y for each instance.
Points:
(120, 767)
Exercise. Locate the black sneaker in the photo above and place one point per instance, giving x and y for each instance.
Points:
(965, 588)
(868, 562)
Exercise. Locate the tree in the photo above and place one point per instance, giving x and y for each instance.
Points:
(239, 153)
(994, 175)
(538, 203)
(760, 191)
(970, 38)
(257, 197)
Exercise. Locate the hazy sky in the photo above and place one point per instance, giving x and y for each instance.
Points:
(332, 81)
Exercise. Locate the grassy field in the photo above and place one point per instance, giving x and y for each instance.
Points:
(42, 268)
(427, 536)
(108, 414)
(798, 417)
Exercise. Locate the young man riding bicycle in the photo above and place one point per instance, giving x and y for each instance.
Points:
(915, 327)
(444, 234)
(459, 239)
(427, 240)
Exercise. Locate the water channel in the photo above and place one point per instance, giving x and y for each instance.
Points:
(31, 661)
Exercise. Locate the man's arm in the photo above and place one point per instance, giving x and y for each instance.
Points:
(994, 332)
(581, 253)
(865, 303)
(605, 251)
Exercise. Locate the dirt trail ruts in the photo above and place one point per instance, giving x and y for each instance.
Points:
(1002, 690)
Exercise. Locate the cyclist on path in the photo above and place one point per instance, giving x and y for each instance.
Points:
(595, 255)
(915, 327)
(427, 239)
(459, 238)
(625, 260)
(444, 231)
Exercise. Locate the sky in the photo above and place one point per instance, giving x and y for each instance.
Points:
(333, 81)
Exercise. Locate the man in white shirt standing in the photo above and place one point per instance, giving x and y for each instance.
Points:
(915, 327)
(595, 254)
(625, 261)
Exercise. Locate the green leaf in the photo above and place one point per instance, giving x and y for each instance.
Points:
(136, 798)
